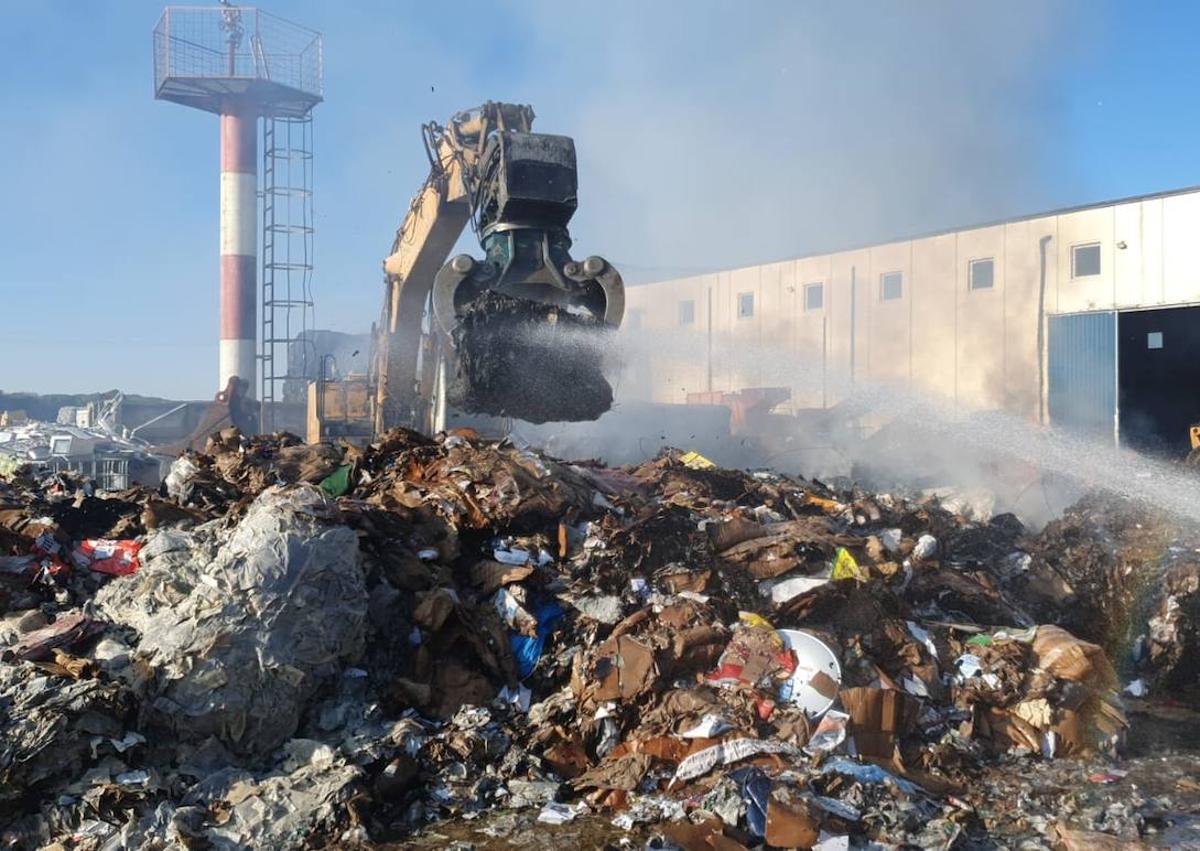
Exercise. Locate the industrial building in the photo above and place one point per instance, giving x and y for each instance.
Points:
(1084, 318)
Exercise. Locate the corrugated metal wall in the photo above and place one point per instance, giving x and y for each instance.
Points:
(1082, 368)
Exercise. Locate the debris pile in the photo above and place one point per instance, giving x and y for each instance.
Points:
(301, 646)
(1128, 579)
(96, 450)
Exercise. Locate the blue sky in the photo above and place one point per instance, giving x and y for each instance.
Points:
(710, 134)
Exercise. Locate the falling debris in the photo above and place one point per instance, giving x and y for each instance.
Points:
(516, 358)
(477, 635)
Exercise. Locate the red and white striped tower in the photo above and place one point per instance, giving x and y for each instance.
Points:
(239, 243)
(242, 64)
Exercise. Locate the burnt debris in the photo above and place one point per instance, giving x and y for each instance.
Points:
(298, 646)
(528, 360)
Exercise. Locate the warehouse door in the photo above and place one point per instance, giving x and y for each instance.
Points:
(1081, 368)
(1159, 363)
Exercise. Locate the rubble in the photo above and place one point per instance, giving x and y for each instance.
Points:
(315, 646)
(96, 450)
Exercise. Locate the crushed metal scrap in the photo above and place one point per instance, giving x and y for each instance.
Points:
(303, 646)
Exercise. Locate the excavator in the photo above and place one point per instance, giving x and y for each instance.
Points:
(514, 334)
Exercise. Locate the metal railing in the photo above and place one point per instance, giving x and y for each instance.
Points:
(232, 42)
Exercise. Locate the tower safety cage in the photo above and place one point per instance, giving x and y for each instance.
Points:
(287, 258)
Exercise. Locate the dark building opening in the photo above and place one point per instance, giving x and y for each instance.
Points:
(1158, 364)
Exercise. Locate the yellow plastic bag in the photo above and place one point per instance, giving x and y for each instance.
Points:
(695, 461)
(751, 619)
(845, 567)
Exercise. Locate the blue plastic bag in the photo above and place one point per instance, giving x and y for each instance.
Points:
(528, 650)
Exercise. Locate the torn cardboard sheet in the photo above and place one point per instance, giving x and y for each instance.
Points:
(878, 717)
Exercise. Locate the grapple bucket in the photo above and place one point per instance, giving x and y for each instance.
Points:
(532, 349)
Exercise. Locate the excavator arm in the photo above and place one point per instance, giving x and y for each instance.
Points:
(505, 328)
(436, 218)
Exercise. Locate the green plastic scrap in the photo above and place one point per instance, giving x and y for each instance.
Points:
(983, 639)
(337, 483)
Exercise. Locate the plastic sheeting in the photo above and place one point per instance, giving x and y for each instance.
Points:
(239, 643)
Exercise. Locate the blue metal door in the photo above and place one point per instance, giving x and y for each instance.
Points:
(1082, 372)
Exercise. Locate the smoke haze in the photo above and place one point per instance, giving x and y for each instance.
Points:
(734, 136)
(710, 135)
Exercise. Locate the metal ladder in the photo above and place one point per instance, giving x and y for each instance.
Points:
(287, 258)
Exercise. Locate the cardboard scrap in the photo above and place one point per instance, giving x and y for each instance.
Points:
(679, 581)
(624, 668)
(665, 748)
(771, 565)
(1037, 713)
(1062, 655)
(823, 684)
(695, 649)
(791, 824)
(708, 835)
(487, 576)
(568, 759)
(66, 665)
(878, 717)
(624, 772)
(434, 607)
(733, 531)
(1087, 729)
(1084, 718)
(1008, 730)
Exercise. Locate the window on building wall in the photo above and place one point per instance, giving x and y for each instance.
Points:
(687, 312)
(891, 286)
(814, 296)
(745, 305)
(1085, 260)
(982, 274)
(1154, 340)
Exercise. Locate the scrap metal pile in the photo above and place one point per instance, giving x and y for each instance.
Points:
(306, 646)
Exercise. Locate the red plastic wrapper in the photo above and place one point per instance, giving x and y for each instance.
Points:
(116, 558)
